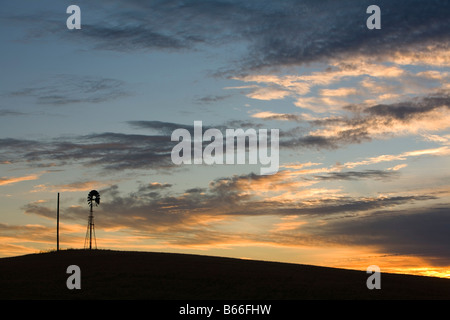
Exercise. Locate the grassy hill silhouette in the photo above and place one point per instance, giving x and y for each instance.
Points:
(107, 274)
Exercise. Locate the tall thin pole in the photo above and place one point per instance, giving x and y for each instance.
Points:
(91, 222)
(57, 225)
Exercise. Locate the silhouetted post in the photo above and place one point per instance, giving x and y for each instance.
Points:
(57, 224)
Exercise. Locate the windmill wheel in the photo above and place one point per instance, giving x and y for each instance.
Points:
(93, 197)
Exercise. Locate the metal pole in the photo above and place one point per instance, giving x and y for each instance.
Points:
(57, 225)
(90, 229)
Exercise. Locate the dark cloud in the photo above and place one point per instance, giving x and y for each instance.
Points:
(210, 99)
(151, 190)
(161, 25)
(195, 190)
(309, 31)
(167, 128)
(417, 232)
(131, 38)
(286, 116)
(110, 151)
(16, 144)
(10, 113)
(154, 186)
(39, 209)
(161, 126)
(353, 205)
(315, 141)
(62, 90)
(355, 175)
(274, 33)
(412, 109)
(107, 150)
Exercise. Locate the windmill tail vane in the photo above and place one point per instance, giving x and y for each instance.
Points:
(92, 198)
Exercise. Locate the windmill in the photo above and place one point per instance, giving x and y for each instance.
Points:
(92, 198)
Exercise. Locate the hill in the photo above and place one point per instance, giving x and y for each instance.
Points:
(122, 275)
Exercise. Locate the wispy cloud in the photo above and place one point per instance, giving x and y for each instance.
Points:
(354, 175)
(441, 151)
(70, 187)
(65, 89)
(269, 115)
(10, 113)
(110, 151)
(11, 180)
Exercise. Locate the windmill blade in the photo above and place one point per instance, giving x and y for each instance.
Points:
(93, 196)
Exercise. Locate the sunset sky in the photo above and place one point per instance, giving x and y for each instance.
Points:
(363, 116)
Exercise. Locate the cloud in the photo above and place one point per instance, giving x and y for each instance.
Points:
(27, 232)
(364, 123)
(338, 92)
(288, 39)
(444, 140)
(65, 89)
(268, 94)
(131, 38)
(269, 115)
(202, 217)
(110, 151)
(371, 83)
(226, 199)
(39, 209)
(273, 33)
(412, 109)
(210, 99)
(120, 151)
(354, 175)
(11, 180)
(433, 54)
(160, 126)
(297, 213)
(420, 232)
(70, 187)
(398, 167)
(441, 151)
(10, 113)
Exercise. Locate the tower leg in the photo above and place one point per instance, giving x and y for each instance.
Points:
(90, 232)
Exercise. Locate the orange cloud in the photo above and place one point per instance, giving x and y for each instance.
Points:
(442, 151)
(71, 187)
(341, 92)
(5, 181)
(268, 94)
(434, 55)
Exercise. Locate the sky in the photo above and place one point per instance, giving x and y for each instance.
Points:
(363, 118)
